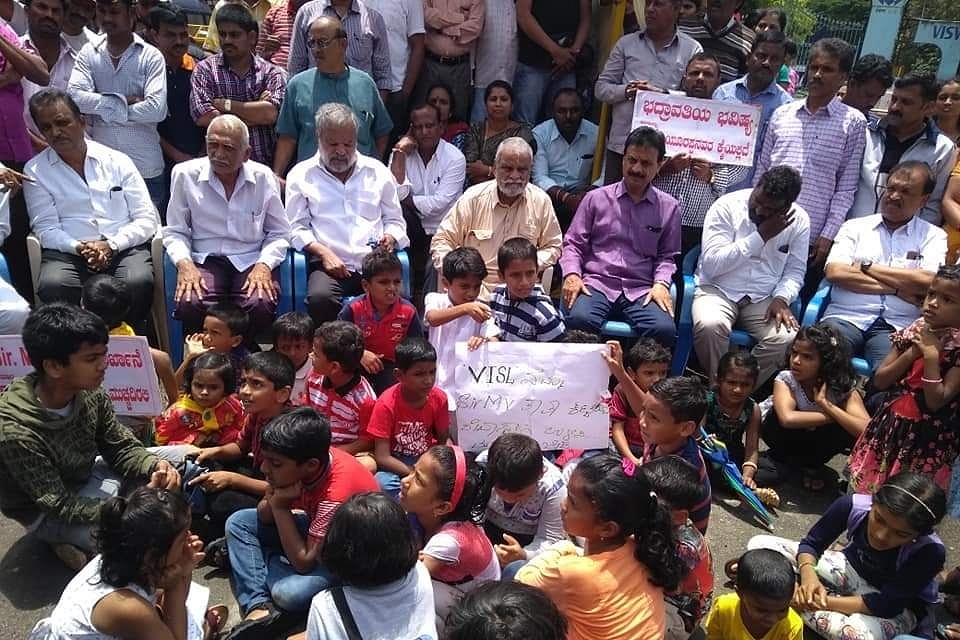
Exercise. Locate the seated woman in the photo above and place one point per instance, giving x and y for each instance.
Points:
(815, 411)
(90, 209)
(485, 136)
(883, 582)
(454, 131)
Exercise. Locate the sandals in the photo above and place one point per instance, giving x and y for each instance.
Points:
(215, 620)
(259, 628)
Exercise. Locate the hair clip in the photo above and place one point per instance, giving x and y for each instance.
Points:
(833, 341)
(629, 468)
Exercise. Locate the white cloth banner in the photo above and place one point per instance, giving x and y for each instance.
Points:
(720, 132)
(130, 379)
(555, 393)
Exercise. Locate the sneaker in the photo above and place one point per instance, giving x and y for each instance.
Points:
(74, 557)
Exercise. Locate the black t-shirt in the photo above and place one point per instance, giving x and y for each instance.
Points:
(179, 128)
(559, 19)
(893, 150)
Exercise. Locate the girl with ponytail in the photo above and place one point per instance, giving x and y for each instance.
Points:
(613, 587)
(145, 547)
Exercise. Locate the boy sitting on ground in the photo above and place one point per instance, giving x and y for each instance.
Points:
(336, 389)
(523, 312)
(225, 327)
(293, 337)
(62, 451)
(384, 317)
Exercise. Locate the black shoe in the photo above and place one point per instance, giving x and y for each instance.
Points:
(269, 626)
(215, 554)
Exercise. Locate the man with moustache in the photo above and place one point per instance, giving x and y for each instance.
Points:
(720, 32)
(331, 80)
(694, 182)
(823, 139)
(758, 87)
(492, 212)
(79, 23)
(868, 81)
(619, 255)
(907, 132)
(226, 229)
(238, 81)
(340, 205)
(881, 265)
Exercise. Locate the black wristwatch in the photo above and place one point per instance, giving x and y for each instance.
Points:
(865, 266)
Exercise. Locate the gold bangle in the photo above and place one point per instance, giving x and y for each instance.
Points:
(806, 563)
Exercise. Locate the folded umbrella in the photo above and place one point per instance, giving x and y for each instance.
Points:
(719, 457)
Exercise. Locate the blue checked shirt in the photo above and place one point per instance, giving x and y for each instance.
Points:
(532, 319)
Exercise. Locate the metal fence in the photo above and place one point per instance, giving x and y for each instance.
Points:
(822, 27)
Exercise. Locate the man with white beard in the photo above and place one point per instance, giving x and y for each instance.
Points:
(341, 205)
(492, 212)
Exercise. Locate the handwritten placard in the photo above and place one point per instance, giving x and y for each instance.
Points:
(720, 132)
(555, 393)
(130, 379)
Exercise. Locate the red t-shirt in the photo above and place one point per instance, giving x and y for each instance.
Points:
(345, 477)
(411, 431)
(621, 411)
(382, 334)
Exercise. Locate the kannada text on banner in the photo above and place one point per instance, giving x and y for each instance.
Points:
(555, 393)
(130, 379)
(719, 132)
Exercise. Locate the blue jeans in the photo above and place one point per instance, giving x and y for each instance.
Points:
(478, 113)
(510, 571)
(262, 573)
(534, 88)
(873, 342)
(389, 481)
(590, 312)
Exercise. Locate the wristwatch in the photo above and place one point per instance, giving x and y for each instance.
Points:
(865, 266)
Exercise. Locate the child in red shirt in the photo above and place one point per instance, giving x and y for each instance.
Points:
(336, 389)
(646, 363)
(410, 417)
(384, 318)
(208, 414)
(307, 482)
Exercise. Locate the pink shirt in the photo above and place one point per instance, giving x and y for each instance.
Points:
(14, 141)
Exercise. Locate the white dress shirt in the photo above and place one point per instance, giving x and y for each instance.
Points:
(737, 261)
(916, 245)
(101, 91)
(109, 202)
(436, 186)
(345, 217)
(249, 227)
(403, 19)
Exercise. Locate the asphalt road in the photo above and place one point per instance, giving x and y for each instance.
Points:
(31, 577)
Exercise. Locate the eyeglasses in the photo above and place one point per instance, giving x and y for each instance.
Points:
(322, 43)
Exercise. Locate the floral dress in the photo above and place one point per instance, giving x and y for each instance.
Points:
(728, 429)
(905, 435)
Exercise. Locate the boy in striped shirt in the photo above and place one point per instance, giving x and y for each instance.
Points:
(521, 309)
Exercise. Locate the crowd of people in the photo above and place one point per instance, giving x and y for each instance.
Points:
(324, 474)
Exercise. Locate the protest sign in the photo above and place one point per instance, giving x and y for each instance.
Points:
(554, 393)
(130, 379)
(720, 132)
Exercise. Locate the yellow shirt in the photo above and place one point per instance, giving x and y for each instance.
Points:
(953, 234)
(123, 330)
(725, 623)
(605, 595)
(258, 9)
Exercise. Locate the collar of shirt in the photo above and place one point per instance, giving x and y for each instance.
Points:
(908, 229)
(673, 40)
(343, 389)
(328, 4)
(221, 60)
(555, 132)
(207, 175)
(724, 31)
(101, 45)
(620, 191)
(770, 89)
(342, 75)
(492, 196)
(930, 130)
(95, 153)
(65, 47)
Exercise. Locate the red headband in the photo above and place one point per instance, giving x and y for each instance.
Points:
(460, 476)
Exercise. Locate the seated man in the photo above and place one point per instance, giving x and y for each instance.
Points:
(489, 213)
(752, 261)
(564, 159)
(90, 209)
(619, 254)
(62, 451)
(880, 266)
(430, 172)
(340, 204)
(226, 229)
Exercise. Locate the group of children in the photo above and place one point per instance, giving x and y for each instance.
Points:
(278, 482)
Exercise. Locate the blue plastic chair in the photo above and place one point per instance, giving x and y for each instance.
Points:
(284, 301)
(814, 312)
(301, 274)
(738, 338)
(4, 269)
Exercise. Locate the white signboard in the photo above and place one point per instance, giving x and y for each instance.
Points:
(130, 379)
(720, 132)
(555, 393)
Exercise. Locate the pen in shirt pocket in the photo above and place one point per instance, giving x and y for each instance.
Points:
(115, 189)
